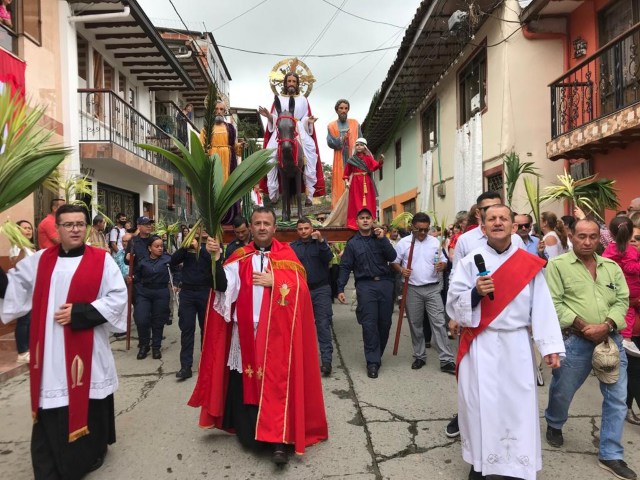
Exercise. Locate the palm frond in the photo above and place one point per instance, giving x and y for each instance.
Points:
(402, 220)
(513, 170)
(533, 195)
(13, 233)
(591, 194)
(26, 157)
(210, 115)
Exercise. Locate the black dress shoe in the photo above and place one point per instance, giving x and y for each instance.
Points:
(554, 437)
(156, 353)
(280, 456)
(427, 344)
(452, 430)
(325, 369)
(184, 373)
(448, 367)
(142, 353)
(372, 370)
(98, 463)
(417, 364)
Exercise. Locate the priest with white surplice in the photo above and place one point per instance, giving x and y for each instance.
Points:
(497, 402)
(77, 298)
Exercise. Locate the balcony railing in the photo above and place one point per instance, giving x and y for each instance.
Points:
(605, 82)
(105, 117)
(170, 118)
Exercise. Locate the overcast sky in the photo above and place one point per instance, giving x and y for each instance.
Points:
(290, 27)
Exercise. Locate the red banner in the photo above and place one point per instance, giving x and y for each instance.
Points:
(12, 72)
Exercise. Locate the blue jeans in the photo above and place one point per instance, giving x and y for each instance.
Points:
(574, 370)
(323, 313)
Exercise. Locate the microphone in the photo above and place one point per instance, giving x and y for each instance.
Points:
(482, 269)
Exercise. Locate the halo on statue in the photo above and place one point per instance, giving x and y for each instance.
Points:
(291, 65)
(221, 98)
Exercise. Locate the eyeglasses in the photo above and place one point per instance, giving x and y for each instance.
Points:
(69, 226)
(524, 225)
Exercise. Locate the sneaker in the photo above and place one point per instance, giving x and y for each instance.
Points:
(23, 357)
(619, 468)
(554, 437)
(630, 347)
(632, 418)
(452, 430)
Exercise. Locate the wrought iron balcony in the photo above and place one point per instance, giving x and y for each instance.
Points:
(171, 119)
(604, 83)
(105, 117)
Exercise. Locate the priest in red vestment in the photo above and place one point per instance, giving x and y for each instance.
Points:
(259, 375)
(358, 176)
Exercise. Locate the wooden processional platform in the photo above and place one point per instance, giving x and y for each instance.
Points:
(330, 234)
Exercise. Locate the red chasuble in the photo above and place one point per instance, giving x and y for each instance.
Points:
(509, 280)
(281, 373)
(78, 344)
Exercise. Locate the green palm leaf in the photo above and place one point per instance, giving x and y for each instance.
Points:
(26, 157)
(533, 195)
(591, 194)
(513, 169)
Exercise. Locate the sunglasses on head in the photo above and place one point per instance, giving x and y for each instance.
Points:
(524, 225)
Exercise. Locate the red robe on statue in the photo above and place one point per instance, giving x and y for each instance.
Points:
(281, 373)
(362, 192)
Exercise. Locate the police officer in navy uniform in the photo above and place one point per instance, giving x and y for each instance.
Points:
(368, 254)
(243, 235)
(194, 294)
(152, 298)
(315, 255)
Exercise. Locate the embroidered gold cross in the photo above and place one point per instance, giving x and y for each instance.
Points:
(260, 373)
(249, 371)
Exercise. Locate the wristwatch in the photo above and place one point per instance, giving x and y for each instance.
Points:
(611, 325)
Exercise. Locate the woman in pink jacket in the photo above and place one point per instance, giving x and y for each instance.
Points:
(628, 258)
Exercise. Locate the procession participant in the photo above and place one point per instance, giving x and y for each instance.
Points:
(117, 233)
(591, 298)
(259, 375)
(298, 105)
(152, 298)
(367, 254)
(474, 237)
(423, 294)
(97, 237)
(77, 297)
(315, 255)
(524, 224)
(341, 137)
(358, 177)
(47, 230)
(223, 140)
(495, 363)
(194, 293)
(242, 233)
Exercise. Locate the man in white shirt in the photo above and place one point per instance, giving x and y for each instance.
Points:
(424, 291)
(117, 232)
(77, 297)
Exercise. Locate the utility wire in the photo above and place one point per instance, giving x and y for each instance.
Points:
(361, 18)
(242, 14)
(323, 31)
(327, 55)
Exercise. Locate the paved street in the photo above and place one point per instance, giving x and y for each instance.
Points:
(391, 427)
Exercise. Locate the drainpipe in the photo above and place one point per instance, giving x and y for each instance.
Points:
(100, 16)
(184, 55)
(426, 17)
(529, 35)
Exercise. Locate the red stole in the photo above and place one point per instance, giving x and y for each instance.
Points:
(280, 366)
(78, 344)
(509, 280)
